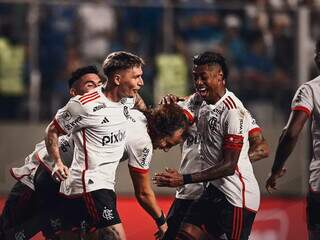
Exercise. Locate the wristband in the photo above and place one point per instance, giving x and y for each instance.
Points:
(187, 178)
(160, 220)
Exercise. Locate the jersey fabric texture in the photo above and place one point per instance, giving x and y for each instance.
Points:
(307, 99)
(98, 127)
(190, 150)
(225, 125)
(138, 147)
(26, 173)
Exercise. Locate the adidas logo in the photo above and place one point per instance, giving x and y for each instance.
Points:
(90, 181)
(105, 120)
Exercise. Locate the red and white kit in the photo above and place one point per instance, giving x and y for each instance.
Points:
(226, 125)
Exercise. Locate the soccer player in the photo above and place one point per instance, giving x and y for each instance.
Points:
(187, 194)
(22, 202)
(231, 198)
(305, 105)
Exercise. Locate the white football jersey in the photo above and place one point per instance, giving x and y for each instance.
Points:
(98, 128)
(225, 125)
(191, 151)
(26, 173)
(190, 161)
(138, 148)
(307, 99)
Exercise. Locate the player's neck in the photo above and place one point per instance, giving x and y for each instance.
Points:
(112, 93)
(217, 96)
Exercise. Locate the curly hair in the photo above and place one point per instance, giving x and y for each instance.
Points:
(164, 120)
(120, 60)
(211, 59)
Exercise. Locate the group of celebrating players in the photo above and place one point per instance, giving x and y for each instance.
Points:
(66, 186)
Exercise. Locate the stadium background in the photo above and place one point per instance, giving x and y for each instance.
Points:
(268, 44)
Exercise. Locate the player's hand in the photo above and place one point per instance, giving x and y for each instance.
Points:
(271, 182)
(60, 172)
(160, 233)
(170, 98)
(169, 178)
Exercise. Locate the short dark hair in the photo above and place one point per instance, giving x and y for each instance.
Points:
(212, 58)
(77, 74)
(165, 119)
(120, 61)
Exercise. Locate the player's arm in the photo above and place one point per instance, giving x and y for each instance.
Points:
(147, 199)
(139, 103)
(227, 167)
(231, 148)
(287, 142)
(259, 147)
(52, 133)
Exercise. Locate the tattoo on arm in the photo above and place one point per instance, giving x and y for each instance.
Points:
(258, 148)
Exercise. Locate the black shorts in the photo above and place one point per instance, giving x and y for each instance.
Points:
(19, 206)
(175, 216)
(96, 209)
(313, 211)
(219, 217)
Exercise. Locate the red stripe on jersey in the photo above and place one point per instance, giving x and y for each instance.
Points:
(303, 109)
(235, 213)
(243, 188)
(42, 163)
(85, 148)
(90, 99)
(233, 142)
(254, 130)
(58, 127)
(85, 96)
(234, 104)
(189, 116)
(16, 177)
(139, 170)
(230, 103)
(227, 104)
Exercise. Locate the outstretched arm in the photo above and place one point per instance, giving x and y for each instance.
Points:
(147, 200)
(287, 142)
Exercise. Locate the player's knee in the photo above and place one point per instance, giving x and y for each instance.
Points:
(190, 232)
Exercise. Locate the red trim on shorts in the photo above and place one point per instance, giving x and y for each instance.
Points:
(90, 99)
(189, 116)
(58, 127)
(303, 109)
(254, 130)
(92, 210)
(233, 142)
(138, 170)
(237, 223)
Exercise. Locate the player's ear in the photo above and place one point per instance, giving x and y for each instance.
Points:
(73, 92)
(116, 79)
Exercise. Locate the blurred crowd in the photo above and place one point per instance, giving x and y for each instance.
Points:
(258, 38)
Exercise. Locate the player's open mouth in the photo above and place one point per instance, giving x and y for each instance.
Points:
(202, 91)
